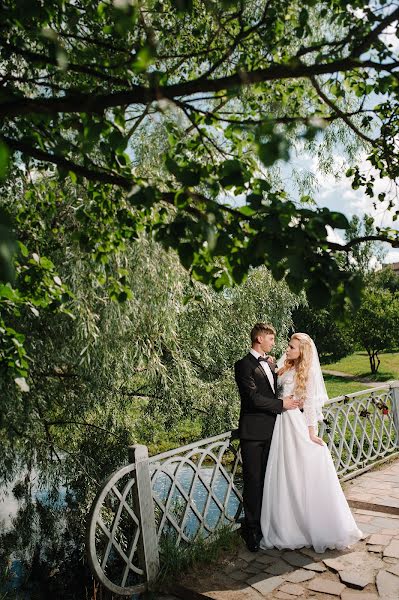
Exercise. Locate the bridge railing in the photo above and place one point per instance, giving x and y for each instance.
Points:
(193, 490)
(361, 429)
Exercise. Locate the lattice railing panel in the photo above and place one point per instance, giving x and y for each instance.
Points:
(114, 533)
(359, 429)
(196, 489)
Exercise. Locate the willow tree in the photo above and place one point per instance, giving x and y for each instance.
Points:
(104, 374)
(233, 85)
(107, 374)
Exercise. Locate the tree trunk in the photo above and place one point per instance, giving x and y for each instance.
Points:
(372, 361)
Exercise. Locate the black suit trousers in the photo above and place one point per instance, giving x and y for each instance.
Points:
(254, 455)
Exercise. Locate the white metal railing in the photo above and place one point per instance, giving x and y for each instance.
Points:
(192, 490)
(361, 429)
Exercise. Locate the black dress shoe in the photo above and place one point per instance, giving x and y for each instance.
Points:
(259, 536)
(252, 542)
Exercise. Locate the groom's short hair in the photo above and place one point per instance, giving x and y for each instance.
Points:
(261, 328)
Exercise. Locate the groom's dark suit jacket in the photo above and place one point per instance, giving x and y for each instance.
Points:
(259, 404)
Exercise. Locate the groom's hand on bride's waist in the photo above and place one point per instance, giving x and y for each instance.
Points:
(289, 403)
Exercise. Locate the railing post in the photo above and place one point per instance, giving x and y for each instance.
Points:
(144, 507)
(394, 387)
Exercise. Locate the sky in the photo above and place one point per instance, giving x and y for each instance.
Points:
(338, 195)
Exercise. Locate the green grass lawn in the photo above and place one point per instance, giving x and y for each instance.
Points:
(358, 365)
(337, 386)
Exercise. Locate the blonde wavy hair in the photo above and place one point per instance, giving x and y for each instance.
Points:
(300, 364)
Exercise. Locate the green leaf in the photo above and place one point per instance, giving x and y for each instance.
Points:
(338, 220)
(186, 254)
(247, 211)
(231, 174)
(276, 149)
(73, 177)
(143, 59)
(8, 248)
(182, 6)
(4, 158)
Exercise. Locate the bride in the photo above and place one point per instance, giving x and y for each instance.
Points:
(303, 503)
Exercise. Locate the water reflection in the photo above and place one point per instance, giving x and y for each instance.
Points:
(185, 481)
(41, 543)
(42, 552)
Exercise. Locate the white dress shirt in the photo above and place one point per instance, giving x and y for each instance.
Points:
(265, 366)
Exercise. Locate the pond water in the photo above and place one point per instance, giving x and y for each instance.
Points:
(20, 511)
(47, 525)
(206, 506)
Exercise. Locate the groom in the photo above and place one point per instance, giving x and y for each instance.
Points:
(256, 380)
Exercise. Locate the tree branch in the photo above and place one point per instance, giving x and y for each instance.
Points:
(239, 38)
(138, 94)
(43, 59)
(82, 424)
(373, 35)
(60, 161)
(283, 119)
(360, 240)
(340, 113)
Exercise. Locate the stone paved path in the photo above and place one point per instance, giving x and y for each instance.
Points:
(368, 570)
(375, 490)
(350, 377)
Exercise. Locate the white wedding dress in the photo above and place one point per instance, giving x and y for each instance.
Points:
(303, 503)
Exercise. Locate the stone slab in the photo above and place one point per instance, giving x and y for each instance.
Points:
(296, 559)
(362, 518)
(293, 589)
(239, 575)
(383, 522)
(265, 559)
(357, 595)
(253, 568)
(246, 555)
(273, 552)
(282, 596)
(279, 568)
(326, 586)
(299, 576)
(389, 560)
(317, 567)
(392, 550)
(317, 556)
(240, 594)
(257, 578)
(268, 585)
(357, 579)
(394, 569)
(235, 565)
(379, 539)
(390, 531)
(387, 585)
(354, 560)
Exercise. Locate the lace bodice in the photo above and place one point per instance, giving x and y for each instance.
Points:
(286, 386)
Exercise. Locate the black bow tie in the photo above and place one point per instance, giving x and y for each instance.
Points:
(262, 358)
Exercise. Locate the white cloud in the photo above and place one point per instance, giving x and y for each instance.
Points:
(392, 256)
(334, 236)
(337, 194)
